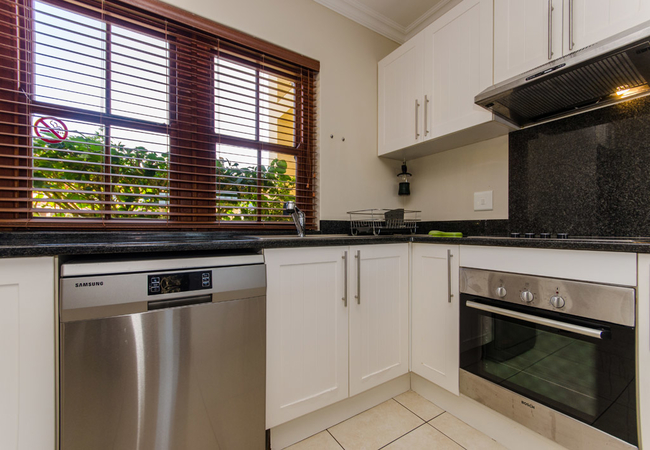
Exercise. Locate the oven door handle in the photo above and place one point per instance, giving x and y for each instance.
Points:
(585, 331)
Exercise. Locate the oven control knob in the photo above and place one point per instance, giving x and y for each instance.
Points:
(501, 292)
(557, 301)
(527, 296)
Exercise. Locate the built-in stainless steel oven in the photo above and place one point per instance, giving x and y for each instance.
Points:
(555, 355)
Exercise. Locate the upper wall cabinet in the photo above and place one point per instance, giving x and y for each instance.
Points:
(590, 21)
(427, 86)
(401, 74)
(458, 65)
(529, 33)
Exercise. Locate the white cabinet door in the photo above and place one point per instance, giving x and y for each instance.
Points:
(379, 322)
(400, 92)
(458, 65)
(521, 35)
(435, 314)
(307, 331)
(643, 347)
(27, 354)
(595, 20)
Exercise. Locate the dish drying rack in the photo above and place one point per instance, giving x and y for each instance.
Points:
(383, 221)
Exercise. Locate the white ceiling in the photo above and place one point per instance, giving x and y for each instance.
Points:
(398, 20)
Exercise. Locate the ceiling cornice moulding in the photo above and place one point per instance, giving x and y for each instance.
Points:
(425, 19)
(369, 18)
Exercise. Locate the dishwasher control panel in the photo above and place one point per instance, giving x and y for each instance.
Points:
(169, 283)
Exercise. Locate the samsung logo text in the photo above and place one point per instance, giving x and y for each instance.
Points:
(89, 284)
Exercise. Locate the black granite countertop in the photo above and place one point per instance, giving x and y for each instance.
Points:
(103, 243)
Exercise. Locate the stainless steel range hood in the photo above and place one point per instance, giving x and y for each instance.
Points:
(610, 71)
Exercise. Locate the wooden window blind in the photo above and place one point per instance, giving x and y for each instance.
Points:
(120, 115)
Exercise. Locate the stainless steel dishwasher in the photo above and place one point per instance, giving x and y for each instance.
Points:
(163, 354)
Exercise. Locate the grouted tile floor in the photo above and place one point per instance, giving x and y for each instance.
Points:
(405, 422)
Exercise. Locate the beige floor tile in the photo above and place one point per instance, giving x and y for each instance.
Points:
(320, 441)
(424, 438)
(419, 405)
(463, 434)
(376, 427)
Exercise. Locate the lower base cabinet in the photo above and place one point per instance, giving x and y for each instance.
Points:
(435, 314)
(643, 349)
(337, 324)
(27, 354)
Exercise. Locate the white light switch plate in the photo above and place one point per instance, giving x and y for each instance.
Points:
(483, 201)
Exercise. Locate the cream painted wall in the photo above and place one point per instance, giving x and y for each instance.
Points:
(443, 185)
(351, 174)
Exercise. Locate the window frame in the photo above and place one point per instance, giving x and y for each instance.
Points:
(105, 118)
(179, 155)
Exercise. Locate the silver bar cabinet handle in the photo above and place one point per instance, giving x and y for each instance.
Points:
(417, 107)
(585, 331)
(345, 278)
(571, 43)
(358, 296)
(426, 107)
(550, 29)
(450, 295)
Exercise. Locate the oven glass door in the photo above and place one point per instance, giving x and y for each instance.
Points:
(589, 378)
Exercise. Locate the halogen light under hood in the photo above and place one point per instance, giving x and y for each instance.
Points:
(610, 71)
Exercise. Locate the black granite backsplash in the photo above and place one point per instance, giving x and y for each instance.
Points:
(587, 175)
(467, 227)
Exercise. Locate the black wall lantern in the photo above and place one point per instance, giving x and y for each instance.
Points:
(404, 185)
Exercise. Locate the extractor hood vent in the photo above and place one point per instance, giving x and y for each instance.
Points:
(609, 72)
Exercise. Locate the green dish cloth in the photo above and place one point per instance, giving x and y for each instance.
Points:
(436, 233)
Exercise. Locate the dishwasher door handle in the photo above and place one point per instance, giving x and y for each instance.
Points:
(185, 301)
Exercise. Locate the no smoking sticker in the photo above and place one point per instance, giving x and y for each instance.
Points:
(51, 130)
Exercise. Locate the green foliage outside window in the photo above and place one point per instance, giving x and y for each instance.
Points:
(69, 177)
(238, 191)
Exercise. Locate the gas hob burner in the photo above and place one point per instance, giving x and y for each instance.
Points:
(565, 236)
(517, 235)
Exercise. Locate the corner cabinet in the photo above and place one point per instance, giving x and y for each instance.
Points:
(435, 314)
(458, 65)
(337, 324)
(427, 86)
(529, 33)
(27, 352)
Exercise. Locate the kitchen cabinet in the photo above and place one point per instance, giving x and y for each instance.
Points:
(427, 86)
(27, 352)
(435, 314)
(529, 33)
(521, 35)
(306, 331)
(643, 347)
(595, 20)
(333, 311)
(378, 308)
(458, 65)
(401, 77)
